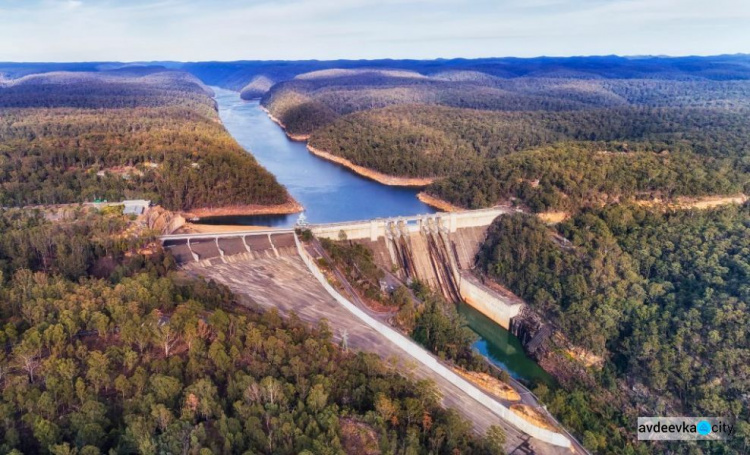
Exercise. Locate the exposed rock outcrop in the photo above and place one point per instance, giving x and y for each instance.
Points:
(162, 220)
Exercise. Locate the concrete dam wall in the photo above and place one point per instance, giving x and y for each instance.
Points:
(380, 227)
(436, 249)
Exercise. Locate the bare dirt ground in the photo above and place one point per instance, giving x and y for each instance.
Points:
(553, 217)
(291, 206)
(490, 384)
(695, 203)
(438, 203)
(532, 415)
(193, 228)
(285, 283)
(379, 177)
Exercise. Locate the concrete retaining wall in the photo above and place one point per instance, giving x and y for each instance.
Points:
(354, 231)
(473, 218)
(487, 302)
(431, 362)
(373, 229)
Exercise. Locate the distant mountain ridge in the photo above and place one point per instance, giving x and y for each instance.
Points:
(237, 74)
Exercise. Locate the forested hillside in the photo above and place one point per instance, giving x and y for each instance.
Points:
(235, 75)
(136, 132)
(569, 176)
(567, 134)
(109, 348)
(663, 296)
(346, 91)
(146, 361)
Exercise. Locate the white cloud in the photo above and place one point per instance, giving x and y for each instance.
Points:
(75, 30)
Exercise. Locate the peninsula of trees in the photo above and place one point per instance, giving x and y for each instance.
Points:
(547, 133)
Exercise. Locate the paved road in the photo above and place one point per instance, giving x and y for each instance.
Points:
(287, 285)
(527, 397)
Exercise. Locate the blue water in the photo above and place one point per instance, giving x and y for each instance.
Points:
(332, 193)
(502, 348)
(329, 192)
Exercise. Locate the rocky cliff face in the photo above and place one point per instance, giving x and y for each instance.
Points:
(532, 331)
(163, 220)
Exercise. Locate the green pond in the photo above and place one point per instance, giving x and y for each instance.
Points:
(502, 348)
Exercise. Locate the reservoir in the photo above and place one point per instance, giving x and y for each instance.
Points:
(329, 192)
(332, 193)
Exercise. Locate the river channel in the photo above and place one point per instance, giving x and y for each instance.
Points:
(331, 193)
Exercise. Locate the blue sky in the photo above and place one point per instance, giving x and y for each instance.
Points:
(192, 30)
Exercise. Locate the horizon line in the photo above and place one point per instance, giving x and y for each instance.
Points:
(572, 56)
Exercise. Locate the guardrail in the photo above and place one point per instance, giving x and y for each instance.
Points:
(434, 364)
(214, 235)
(525, 390)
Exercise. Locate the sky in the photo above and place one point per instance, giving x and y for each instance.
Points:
(200, 30)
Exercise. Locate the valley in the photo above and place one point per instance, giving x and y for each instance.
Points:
(447, 235)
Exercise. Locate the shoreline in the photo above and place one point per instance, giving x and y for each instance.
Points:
(294, 137)
(195, 228)
(379, 177)
(438, 203)
(287, 208)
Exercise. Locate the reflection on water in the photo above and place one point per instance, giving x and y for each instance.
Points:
(329, 192)
(277, 221)
(503, 348)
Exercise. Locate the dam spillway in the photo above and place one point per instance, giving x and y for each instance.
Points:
(436, 249)
(270, 269)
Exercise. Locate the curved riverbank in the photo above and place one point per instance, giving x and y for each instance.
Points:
(438, 203)
(371, 174)
(328, 191)
(379, 177)
(287, 208)
(294, 137)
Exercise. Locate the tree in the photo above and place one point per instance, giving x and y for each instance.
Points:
(165, 336)
(495, 438)
(98, 370)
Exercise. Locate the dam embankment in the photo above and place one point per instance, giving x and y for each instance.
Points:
(438, 250)
(272, 270)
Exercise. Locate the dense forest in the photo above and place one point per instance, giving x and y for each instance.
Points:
(559, 160)
(570, 176)
(140, 132)
(297, 102)
(437, 141)
(491, 131)
(148, 361)
(662, 295)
